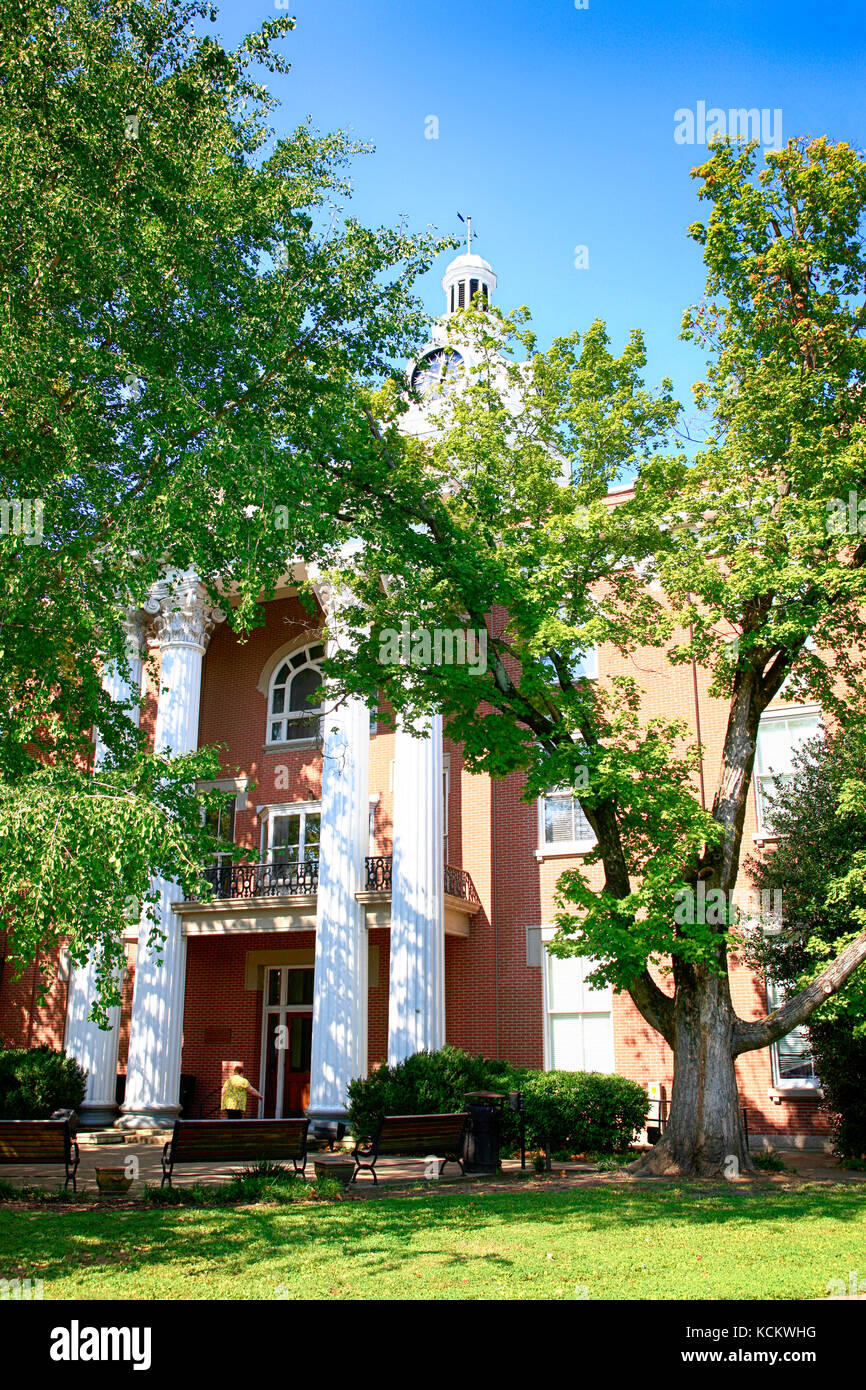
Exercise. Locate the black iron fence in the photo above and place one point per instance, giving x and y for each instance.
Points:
(282, 880)
(459, 884)
(263, 880)
(379, 873)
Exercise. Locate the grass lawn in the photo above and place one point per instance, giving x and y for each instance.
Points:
(613, 1242)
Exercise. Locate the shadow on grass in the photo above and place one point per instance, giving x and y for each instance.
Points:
(382, 1236)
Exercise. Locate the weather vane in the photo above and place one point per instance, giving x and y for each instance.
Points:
(469, 232)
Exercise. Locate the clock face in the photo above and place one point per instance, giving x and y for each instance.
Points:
(438, 372)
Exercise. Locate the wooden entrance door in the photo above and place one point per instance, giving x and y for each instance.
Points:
(287, 1035)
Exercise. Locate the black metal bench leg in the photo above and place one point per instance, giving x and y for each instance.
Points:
(72, 1170)
(452, 1159)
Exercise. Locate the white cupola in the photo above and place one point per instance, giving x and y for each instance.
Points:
(467, 275)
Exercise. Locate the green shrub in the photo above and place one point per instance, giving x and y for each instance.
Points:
(840, 1061)
(273, 1182)
(36, 1081)
(611, 1163)
(769, 1161)
(427, 1083)
(583, 1110)
(578, 1110)
(31, 1192)
(261, 1183)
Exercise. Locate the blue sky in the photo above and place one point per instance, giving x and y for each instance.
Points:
(556, 130)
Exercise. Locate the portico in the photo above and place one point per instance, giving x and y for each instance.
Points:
(337, 900)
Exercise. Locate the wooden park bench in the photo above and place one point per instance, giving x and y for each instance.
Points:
(40, 1141)
(215, 1141)
(416, 1136)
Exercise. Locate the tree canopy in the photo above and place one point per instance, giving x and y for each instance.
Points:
(191, 376)
(817, 868)
(728, 559)
(190, 324)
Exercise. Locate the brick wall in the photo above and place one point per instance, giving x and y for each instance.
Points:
(26, 1020)
(493, 997)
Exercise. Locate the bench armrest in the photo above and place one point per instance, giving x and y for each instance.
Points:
(359, 1152)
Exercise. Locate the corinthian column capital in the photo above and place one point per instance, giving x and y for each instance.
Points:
(135, 628)
(183, 616)
(334, 596)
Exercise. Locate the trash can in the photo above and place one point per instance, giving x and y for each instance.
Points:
(187, 1091)
(483, 1132)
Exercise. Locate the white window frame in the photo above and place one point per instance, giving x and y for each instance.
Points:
(287, 716)
(587, 667)
(372, 812)
(563, 847)
(765, 831)
(238, 785)
(270, 814)
(547, 934)
(810, 646)
(223, 858)
(787, 1083)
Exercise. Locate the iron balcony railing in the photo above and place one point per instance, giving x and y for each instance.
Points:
(458, 883)
(283, 880)
(262, 880)
(378, 873)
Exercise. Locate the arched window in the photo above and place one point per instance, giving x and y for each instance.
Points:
(294, 700)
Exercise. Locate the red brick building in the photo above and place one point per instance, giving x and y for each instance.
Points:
(400, 901)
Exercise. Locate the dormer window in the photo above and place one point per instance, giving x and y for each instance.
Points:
(295, 701)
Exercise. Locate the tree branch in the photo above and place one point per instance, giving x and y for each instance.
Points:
(762, 1032)
(654, 1005)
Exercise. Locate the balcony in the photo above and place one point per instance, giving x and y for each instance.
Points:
(282, 897)
(263, 880)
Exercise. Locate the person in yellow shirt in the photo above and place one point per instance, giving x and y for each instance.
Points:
(235, 1091)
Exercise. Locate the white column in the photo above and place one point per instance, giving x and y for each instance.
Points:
(416, 998)
(183, 621)
(339, 1045)
(95, 1049)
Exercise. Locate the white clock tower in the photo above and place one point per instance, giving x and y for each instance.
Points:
(442, 362)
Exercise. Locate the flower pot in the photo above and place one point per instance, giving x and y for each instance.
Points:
(111, 1181)
(342, 1169)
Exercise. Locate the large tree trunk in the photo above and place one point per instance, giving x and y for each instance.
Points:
(704, 1136)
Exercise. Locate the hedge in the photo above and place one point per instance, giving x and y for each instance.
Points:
(840, 1061)
(584, 1110)
(36, 1081)
(579, 1111)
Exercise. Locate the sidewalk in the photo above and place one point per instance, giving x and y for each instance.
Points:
(802, 1167)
